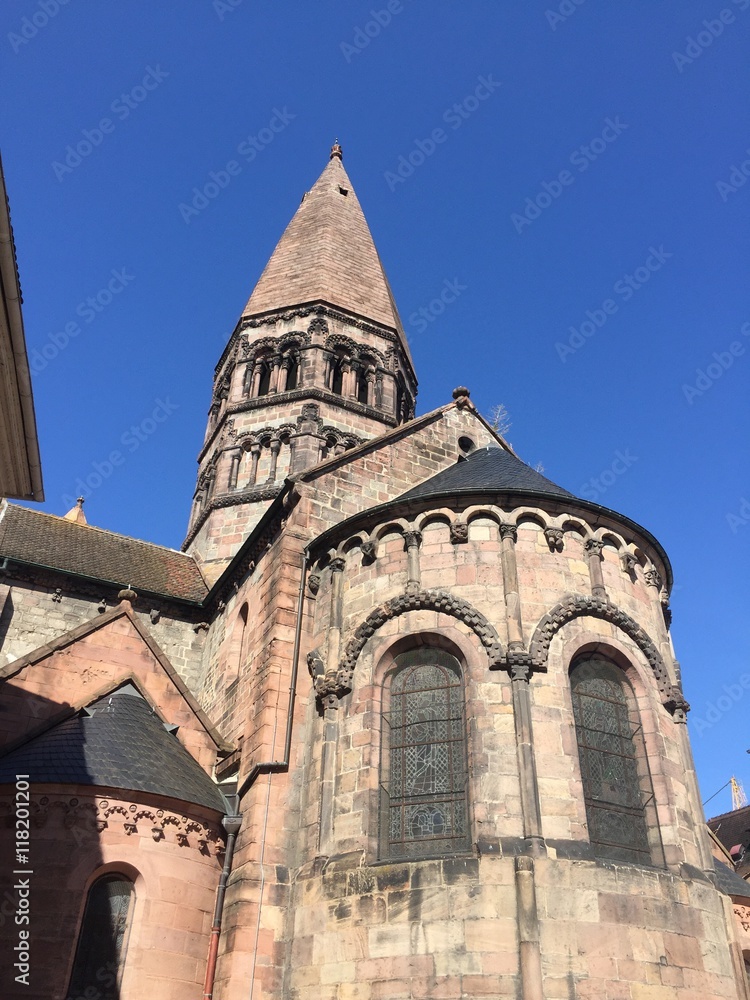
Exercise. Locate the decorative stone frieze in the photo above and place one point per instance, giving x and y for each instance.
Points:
(577, 606)
(432, 600)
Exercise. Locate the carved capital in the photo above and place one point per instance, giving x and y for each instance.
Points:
(594, 547)
(331, 686)
(508, 531)
(338, 565)
(459, 532)
(653, 578)
(313, 582)
(520, 664)
(554, 538)
(412, 539)
(676, 705)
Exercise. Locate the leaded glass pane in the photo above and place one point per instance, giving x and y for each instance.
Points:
(426, 784)
(609, 769)
(101, 943)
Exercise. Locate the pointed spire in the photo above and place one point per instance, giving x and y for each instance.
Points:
(327, 253)
(76, 513)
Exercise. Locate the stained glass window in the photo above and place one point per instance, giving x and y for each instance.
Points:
(100, 955)
(423, 805)
(608, 744)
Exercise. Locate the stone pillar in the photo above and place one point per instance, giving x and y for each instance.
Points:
(286, 362)
(412, 542)
(531, 811)
(594, 553)
(255, 450)
(235, 457)
(335, 615)
(255, 386)
(276, 365)
(379, 391)
(509, 536)
(275, 449)
(346, 379)
(370, 376)
(528, 931)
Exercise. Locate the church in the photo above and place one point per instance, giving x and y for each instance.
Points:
(403, 718)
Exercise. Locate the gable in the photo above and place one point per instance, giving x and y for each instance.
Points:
(58, 679)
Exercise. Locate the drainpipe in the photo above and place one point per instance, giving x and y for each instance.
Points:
(231, 824)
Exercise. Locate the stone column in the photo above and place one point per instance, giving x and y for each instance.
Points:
(255, 450)
(412, 542)
(235, 457)
(528, 931)
(531, 812)
(509, 537)
(255, 385)
(286, 362)
(346, 377)
(370, 376)
(594, 553)
(335, 615)
(275, 449)
(379, 391)
(273, 386)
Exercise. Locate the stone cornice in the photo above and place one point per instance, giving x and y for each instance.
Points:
(234, 499)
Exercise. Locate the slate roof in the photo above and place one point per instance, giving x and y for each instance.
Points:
(486, 470)
(327, 252)
(729, 882)
(45, 540)
(733, 830)
(123, 744)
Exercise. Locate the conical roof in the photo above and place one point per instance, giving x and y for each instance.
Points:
(487, 470)
(327, 253)
(118, 742)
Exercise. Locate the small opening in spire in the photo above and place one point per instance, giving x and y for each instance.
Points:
(344, 191)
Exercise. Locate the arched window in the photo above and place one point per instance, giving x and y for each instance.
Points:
(614, 770)
(103, 940)
(362, 385)
(424, 809)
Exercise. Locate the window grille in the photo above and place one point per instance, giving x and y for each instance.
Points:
(102, 942)
(609, 745)
(423, 795)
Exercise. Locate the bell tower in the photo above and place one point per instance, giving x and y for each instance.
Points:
(318, 363)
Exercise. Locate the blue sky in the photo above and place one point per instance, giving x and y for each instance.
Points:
(577, 173)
